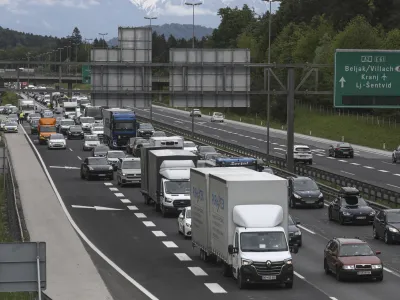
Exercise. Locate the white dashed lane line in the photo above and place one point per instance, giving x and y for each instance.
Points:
(197, 271)
(383, 171)
(108, 183)
(306, 229)
(342, 160)
(79, 158)
(348, 173)
(215, 288)
(159, 233)
(133, 207)
(355, 164)
(368, 167)
(182, 256)
(126, 201)
(70, 149)
(149, 224)
(119, 194)
(113, 189)
(140, 215)
(170, 244)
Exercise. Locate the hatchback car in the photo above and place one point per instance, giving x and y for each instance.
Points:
(97, 130)
(217, 117)
(350, 208)
(65, 124)
(100, 151)
(90, 141)
(56, 141)
(302, 153)
(145, 130)
(352, 258)
(129, 171)
(387, 226)
(185, 222)
(203, 150)
(10, 126)
(96, 167)
(75, 132)
(341, 150)
(303, 191)
(34, 126)
(195, 113)
(189, 146)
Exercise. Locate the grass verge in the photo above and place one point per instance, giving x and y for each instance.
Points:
(6, 238)
(333, 127)
(9, 98)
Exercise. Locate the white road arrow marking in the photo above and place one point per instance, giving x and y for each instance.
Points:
(96, 207)
(65, 167)
(342, 81)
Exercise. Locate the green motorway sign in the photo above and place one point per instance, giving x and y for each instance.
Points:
(86, 74)
(367, 79)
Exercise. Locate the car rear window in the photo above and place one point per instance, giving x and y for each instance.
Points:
(302, 149)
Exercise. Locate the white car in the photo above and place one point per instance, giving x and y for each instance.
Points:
(113, 157)
(10, 126)
(97, 130)
(189, 146)
(217, 117)
(185, 222)
(302, 153)
(90, 141)
(56, 141)
(195, 113)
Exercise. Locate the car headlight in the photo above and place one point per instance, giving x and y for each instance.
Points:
(288, 261)
(345, 213)
(321, 195)
(392, 229)
(110, 167)
(90, 168)
(348, 267)
(123, 174)
(168, 200)
(372, 213)
(188, 224)
(297, 233)
(378, 266)
(296, 196)
(246, 262)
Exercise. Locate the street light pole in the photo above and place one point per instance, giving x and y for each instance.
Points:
(151, 96)
(28, 55)
(104, 41)
(59, 69)
(88, 40)
(193, 4)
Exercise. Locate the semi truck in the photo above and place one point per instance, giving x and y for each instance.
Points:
(168, 179)
(46, 127)
(245, 226)
(119, 127)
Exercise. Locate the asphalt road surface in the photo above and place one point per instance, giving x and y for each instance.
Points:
(369, 167)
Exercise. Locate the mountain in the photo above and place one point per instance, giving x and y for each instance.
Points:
(179, 31)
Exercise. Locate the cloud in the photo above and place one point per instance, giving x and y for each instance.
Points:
(15, 6)
(184, 10)
(46, 24)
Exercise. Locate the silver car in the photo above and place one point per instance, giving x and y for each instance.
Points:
(97, 130)
(90, 141)
(56, 141)
(129, 171)
(11, 126)
(113, 157)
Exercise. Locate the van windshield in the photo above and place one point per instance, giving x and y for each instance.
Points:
(263, 242)
(177, 187)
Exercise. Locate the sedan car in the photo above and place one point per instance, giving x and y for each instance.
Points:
(11, 126)
(75, 132)
(396, 155)
(303, 191)
(341, 150)
(189, 146)
(203, 150)
(113, 157)
(96, 167)
(352, 258)
(129, 171)
(294, 233)
(387, 226)
(349, 207)
(100, 151)
(56, 141)
(145, 130)
(217, 117)
(195, 113)
(64, 126)
(185, 222)
(90, 141)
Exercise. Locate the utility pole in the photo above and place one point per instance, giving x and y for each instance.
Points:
(151, 96)
(104, 41)
(88, 48)
(193, 4)
(59, 69)
(29, 57)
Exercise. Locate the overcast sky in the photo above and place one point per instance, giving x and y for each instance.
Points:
(59, 17)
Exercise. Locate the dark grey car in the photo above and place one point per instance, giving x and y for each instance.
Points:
(303, 191)
(100, 151)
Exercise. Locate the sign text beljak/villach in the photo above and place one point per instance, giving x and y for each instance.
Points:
(369, 68)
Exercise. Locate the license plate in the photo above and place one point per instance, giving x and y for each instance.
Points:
(361, 218)
(102, 174)
(180, 208)
(310, 201)
(364, 273)
(269, 278)
(345, 152)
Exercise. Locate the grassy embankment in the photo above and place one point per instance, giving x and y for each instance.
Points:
(9, 98)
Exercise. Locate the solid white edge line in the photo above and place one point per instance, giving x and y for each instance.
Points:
(306, 229)
(298, 275)
(81, 234)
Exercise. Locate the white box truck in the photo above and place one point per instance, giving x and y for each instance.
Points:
(247, 227)
(70, 109)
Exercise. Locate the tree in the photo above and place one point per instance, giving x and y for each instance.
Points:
(392, 40)
(76, 37)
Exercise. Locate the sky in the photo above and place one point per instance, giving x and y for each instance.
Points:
(59, 17)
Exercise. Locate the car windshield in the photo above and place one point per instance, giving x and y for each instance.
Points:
(302, 149)
(67, 122)
(353, 201)
(207, 149)
(75, 128)
(87, 120)
(188, 214)
(47, 128)
(56, 137)
(355, 250)
(101, 161)
(344, 145)
(91, 138)
(101, 149)
(217, 114)
(263, 242)
(97, 128)
(123, 125)
(145, 126)
(11, 124)
(34, 122)
(304, 185)
(116, 154)
(393, 217)
(189, 144)
(133, 164)
(177, 187)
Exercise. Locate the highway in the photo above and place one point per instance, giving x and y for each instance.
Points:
(368, 166)
(149, 249)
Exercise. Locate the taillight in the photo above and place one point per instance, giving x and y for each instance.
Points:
(337, 149)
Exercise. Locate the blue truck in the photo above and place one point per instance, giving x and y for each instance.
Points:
(119, 127)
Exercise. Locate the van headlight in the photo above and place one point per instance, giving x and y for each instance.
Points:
(246, 262)
(321, 195)
(348, 267)
(297, 233)
(168, 200)
(288, 261)
(377, 267)
(372, 213)
(110, 168)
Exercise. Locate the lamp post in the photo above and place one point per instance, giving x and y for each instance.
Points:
(104, 41)
(59, 69)
(86, 41)
(28, 55)
(193, 4)
(151, 97)
(269, 76)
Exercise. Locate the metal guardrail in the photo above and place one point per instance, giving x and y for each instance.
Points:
(370, 192)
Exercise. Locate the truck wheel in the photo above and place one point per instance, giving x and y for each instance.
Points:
(226, 270)
(164, 214)
(157, 207)
(289, 285)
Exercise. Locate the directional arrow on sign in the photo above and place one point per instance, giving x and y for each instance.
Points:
(342, 81)
(96, 207)
(65, 167)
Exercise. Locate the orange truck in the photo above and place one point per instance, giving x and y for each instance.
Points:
(46, 127)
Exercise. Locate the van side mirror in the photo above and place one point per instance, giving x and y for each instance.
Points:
(378, 252)
(294, 249)
(231, 249)
(298, 223)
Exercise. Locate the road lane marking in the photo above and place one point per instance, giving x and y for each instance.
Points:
(255, 147)
(253, 138)
(158, 233)
(355, 164)
(119, 194)
(368, 167)
(298, 275)
(383, 171)
(133, 207)
(320, 155)
(282, 145)
(149, 224)
(395, 186)
(306, 229)
(126, 201)
(70, 149)
(108, 183)
(279, 149)
(396, 174)
(140, 215)
(342, 160)
(388, 163)
(260, 140)
(113, 189)
(234, 141)
(79, 158)
(348, 173)
(170, 244)
(182, 256)
(180, 122)
(274, 143)
(215, 288)
(333, 298)
(197, 271)
(387, 270)
(329, 157)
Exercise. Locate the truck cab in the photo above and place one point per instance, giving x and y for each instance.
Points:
(46, 127)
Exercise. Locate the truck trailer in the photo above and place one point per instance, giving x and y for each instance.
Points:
(247, 227)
